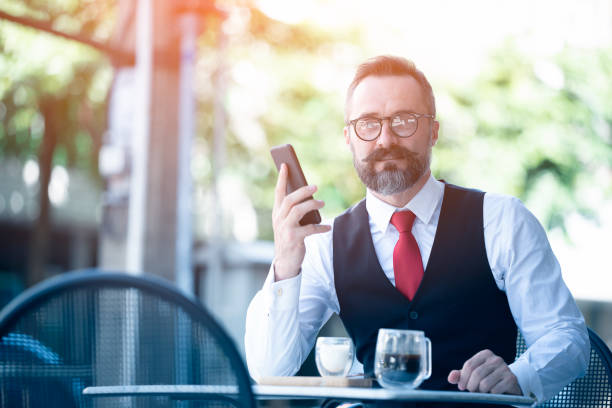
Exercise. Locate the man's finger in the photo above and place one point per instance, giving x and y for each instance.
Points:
(490, 381)
(295, 198)
(311, 229)
(470, 365)
(301, 194)
(454, 376)
(508, 385)
(298, 211)
(281, 186)
(479, 375)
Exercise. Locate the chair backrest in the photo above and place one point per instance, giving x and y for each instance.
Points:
(594, 389)
(95, 328)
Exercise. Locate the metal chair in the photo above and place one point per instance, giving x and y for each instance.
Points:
(95, 328)
(594, 389)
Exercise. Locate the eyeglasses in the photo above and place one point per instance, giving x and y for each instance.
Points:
(402, 124)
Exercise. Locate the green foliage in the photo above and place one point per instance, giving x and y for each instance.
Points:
(72, 80)
(539, 129)
(286, 38)
(91, 18)
(272, 99)
(536, 129)
(511, 130)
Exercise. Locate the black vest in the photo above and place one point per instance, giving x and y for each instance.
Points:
(458, 305)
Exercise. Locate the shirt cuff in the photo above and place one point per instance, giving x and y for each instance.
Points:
(527, 378)
(282, 295)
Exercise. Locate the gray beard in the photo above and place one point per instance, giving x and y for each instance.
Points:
(391, 180)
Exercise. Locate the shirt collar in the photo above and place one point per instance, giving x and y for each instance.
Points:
(423, 204)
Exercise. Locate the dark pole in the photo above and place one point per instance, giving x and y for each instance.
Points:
(38, 251)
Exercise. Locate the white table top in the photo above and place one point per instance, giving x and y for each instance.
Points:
(301, 392)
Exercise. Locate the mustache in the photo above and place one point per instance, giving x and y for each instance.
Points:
(393, 152)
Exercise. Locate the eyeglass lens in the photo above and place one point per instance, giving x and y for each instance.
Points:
(402, 124)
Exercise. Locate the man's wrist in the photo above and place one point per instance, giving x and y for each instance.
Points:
(526, 378)
(280, 273)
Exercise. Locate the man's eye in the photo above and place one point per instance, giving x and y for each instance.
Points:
(397, 121)
(367, 123)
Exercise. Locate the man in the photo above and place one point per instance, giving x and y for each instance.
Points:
(464, 266)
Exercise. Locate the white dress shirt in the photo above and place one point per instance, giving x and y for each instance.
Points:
(284, 317)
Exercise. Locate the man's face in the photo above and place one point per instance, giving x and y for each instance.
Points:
(391, 164)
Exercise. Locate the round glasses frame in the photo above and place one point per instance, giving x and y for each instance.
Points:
(388, 118)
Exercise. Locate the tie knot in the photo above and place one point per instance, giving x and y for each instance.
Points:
(403, 220)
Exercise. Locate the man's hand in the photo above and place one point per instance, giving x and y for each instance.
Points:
(289, 248)
(485, 372)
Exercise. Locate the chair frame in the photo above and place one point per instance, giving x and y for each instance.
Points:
(603, 351)
(88, 278)
(597, 345)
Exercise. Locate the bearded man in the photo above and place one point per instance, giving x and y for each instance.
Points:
(466, 267)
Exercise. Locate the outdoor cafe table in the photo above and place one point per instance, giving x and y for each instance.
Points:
(269, 392)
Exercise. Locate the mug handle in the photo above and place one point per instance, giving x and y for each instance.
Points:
(428, 359)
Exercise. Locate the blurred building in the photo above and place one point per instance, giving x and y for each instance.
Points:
(73, 239)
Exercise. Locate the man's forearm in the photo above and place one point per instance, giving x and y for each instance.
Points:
(553, 361)
(272, 338)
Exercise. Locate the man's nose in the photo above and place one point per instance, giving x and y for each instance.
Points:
(387, 137)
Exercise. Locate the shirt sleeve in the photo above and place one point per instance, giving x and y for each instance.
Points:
(284, 317)
(542, 306)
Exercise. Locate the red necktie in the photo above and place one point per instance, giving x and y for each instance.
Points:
(407, 263)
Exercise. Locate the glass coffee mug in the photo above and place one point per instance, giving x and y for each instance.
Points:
(334, 356)
(403, 358)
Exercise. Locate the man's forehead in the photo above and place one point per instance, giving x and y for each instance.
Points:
(381, 93)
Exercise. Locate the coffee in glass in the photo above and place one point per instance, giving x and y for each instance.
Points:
(402, 359)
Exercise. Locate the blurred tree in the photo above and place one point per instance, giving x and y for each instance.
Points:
(539, 129)
(535, 128)
(52, 98)
(278, 92)
(88, 20)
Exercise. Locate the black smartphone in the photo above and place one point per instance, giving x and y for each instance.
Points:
(286, 154)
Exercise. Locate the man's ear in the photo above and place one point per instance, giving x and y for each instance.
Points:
(434, 132)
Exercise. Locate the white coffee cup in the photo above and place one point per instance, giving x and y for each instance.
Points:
(334, 356)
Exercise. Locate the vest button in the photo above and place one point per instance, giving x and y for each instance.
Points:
(414, 315)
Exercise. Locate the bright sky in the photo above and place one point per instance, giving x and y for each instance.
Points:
(450, 39)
